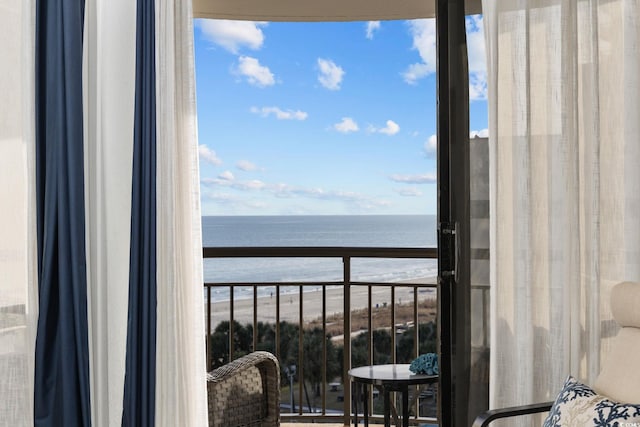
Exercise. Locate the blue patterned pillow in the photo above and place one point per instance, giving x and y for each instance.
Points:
(578, 405)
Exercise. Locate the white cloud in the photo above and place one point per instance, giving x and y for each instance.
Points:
(330, 74)
(431, 146)
(475, 43)
(232, 35)
(415, 72)
(209, 155)
(372, 26)
(254, 184)
(208, 181)
(483, 133)
(226, 176)
(423, 32)
(256, 74)
(280, 114)
(477, 58)
(227, 179)
(409, 192)
(233, 201)
(477, 86)
(347, 125)
(415, 179)
(282, 190)
(391, 128)
(246, 165)
(221, 197)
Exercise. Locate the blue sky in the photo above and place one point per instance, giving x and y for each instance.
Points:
(322, 118)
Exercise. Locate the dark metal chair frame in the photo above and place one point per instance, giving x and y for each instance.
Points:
(488, 417)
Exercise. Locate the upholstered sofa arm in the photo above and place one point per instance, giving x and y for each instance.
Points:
(245, 391)
(488, 417)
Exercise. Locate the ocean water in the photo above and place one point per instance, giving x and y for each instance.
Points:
(357, 230)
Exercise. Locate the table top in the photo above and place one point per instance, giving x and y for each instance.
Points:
(389, 374)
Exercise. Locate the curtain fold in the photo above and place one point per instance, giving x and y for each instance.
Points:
(109, 91)
(180, 378)
(62, 353)
(565, 217)
(140, 363)
(18, 240)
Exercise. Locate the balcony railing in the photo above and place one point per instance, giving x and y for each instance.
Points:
(422, 298)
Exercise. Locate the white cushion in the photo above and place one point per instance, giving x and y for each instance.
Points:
(620, 374)
(625, 304)
(578, 405)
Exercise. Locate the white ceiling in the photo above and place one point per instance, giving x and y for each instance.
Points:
(320, 10)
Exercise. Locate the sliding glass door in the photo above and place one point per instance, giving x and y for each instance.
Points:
(463, 211)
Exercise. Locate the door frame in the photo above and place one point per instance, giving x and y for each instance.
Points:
(454, 289)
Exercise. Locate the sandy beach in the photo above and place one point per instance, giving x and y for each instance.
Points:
(312, 301)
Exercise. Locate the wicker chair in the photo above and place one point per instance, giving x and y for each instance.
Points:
(245, 392)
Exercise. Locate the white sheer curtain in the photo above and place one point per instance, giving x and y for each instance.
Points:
(109, 65)
(109, 89)
(109, 100)
(181, 366)
(564, 118)
(18, 288)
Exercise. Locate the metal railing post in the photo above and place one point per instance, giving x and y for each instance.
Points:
(393, 325)
(301, 350)
(231, 328)
(370, 357)
(208, 342)
(277, 344)
(255, 318)
(347, 338)
(324, 349)
(416, 324)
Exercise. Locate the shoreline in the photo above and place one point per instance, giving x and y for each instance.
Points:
(312, 301)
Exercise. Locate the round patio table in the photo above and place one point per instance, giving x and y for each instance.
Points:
(396, 377)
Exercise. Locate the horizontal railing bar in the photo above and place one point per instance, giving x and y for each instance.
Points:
(317, 252)
(310, 416)
(311, 284)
